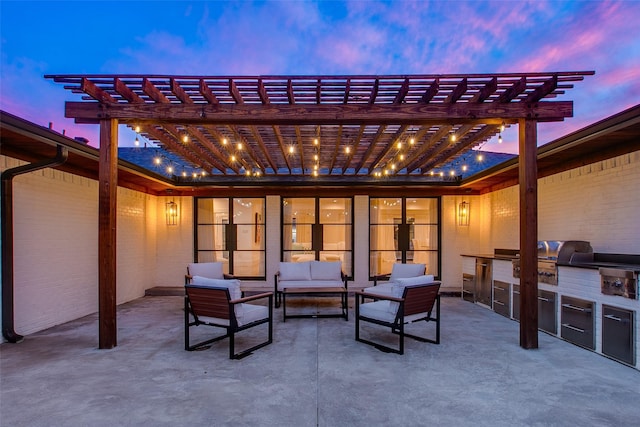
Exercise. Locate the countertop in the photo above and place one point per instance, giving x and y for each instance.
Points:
(491, 256)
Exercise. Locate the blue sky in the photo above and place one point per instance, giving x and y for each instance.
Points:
(298, 37)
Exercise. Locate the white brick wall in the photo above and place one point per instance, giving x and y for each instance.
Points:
(56, 247)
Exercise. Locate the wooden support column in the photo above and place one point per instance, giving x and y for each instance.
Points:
(528, 174)
(108, 185)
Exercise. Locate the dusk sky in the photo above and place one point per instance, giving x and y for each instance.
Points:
(297, 37)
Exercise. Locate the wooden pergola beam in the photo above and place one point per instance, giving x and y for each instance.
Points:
(312, 114)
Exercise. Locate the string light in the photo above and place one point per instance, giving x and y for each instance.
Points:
(239, 146)
(185, 138)
(291, 149)
(502, 127)
(224, 141)
(464, 168)
(157, 161)
(500, 139)
(137, 141)
(480, 157)
(233, 158)
(399, 145)
(412, 141)
(347, 149)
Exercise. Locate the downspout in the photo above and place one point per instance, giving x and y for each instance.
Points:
(8, 331)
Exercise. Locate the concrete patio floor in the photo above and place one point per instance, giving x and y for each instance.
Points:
(314, 374)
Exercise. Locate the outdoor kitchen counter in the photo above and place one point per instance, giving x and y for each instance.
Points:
(598, 265)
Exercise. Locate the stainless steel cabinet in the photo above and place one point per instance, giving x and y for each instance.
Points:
(618, 341)
(516, 302)
(468, 287)
(578, 322)
(502, 298)
(483, 281)
(547, 309)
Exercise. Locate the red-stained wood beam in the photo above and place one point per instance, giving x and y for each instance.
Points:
(402, 92)
(349, 158)
(457, 92)
(336, 149)
(90, 88)
(208, 94)
(312, 114)
(419, 155)
(528, 177)
(374, 92)
(179, 92)
(479, 137)
(543, 90)
(290, 93)
(235, 92)
(430, 92)
(486, 91)
(262, 91)
(371, 147)
(513, 91)
(283, 148)
(153, 92)
(124, 90)
(107, 256)
(265, 151)
(388, 147)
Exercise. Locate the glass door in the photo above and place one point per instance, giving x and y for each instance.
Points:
(403, 230)
(318, 229)
(231, 231)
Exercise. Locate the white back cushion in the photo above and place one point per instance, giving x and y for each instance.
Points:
(326, 270)
(295, 270)
(212, 270)
(233, 285)
(397, 289)
(400, 271)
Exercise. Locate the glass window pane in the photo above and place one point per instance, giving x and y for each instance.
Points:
(206, 235)
(245, 210)
(299, 210)
(423, 211)
(425, 237)
(383, 237)
(335, 211)
(248, 263)
(385, 211)
(381, 262)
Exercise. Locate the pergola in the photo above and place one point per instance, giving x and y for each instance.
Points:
(319, 130)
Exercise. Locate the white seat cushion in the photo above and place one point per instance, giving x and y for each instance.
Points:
(250, 313)
(380, 310)
(211, 270)
(309, 284)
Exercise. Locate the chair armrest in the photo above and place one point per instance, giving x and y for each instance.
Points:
(251, 298)
(381, 277)
(228, 276)
(187, 279)
(379, 297)
(344, 278)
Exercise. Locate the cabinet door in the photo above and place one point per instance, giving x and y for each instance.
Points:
(617, 334)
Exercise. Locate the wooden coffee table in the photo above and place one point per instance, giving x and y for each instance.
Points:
(316, 292)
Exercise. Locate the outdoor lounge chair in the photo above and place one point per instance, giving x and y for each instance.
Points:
(214, 306)
(413, 303)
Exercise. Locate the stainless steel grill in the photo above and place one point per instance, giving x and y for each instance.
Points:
(550, 252)
(620, 282)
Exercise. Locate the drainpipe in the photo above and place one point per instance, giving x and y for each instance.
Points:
(8, 331)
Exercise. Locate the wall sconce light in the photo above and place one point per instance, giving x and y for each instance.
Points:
(171, 210)
(463, 213)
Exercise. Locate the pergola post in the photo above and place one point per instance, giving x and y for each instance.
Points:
(528, 179)
(108, 185)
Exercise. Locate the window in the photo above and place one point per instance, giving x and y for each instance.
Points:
(231, 231)
(405, 230)
(318, 229)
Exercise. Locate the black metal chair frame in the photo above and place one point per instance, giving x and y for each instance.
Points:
(406, 305)
(216, 302)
